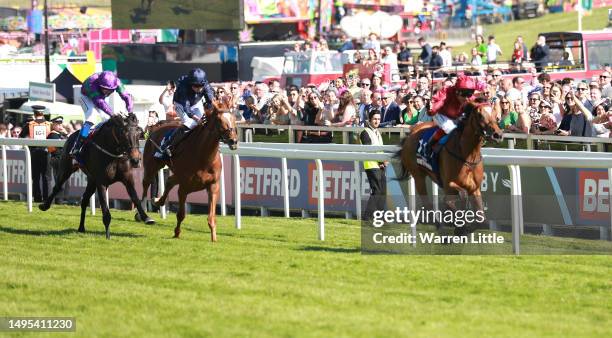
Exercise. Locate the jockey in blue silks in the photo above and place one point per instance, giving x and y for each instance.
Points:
(94, 92)
(188, 103)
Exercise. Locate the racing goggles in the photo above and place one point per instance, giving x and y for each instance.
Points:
(465, 92)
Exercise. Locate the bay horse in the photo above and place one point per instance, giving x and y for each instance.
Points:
(109, 156)
(195, 164)
(460, 161)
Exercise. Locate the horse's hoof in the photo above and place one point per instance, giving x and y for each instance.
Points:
(156, 201)
(149, 221)
(137, 217)
(44, 207)
(81, 230)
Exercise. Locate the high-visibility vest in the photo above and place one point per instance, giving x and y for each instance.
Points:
(39, 130)
(376, 139)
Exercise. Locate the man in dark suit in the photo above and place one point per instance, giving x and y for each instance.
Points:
(436, 60)
(425, 56)
(540, 53)
(390, 111)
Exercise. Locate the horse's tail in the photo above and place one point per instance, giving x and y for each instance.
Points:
(404, 174)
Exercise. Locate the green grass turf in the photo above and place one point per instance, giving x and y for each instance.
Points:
(506, 33)
(273, 278)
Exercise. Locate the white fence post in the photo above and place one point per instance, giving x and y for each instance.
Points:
(321, 200)
(412, 204)
(290, 134)
(610, 199)
(4, 174)
(285, 186)
(222, 193)
(248, 135)
(237, 205)
(514, 189)
(92, 203)
(358, 190)
(520, 199)
(160, 189)
(28, 157)
(434, 195)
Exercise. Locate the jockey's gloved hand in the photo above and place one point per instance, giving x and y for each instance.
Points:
(208, 105)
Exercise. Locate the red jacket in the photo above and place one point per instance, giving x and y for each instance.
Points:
(445, 102)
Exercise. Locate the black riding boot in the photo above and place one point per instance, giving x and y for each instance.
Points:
(78, 144)
(177, 137)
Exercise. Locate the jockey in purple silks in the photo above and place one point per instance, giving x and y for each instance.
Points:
(94, 92)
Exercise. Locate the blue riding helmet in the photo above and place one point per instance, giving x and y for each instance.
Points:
(197, 77)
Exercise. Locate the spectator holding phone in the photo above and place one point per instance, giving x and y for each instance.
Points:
(578, 121)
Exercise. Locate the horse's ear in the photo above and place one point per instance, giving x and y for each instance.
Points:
(208, 111)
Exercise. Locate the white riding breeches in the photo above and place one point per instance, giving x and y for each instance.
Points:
(445, 123)
(196, 110)
(93, 114)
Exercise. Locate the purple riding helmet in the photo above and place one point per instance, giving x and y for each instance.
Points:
(108, 80)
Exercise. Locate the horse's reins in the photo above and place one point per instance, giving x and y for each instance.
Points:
(470, 164)
(122, 155)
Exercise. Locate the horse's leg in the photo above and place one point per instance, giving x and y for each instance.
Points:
(66, 171)
(106, 216)
(478, 207)
(170, 183)
(89, 190)
(180, 215)
(213, 195)
(146, 182)
(129, 186)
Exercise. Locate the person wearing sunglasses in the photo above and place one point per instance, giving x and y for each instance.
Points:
(193, 93)
(447, 107)
(604, 80)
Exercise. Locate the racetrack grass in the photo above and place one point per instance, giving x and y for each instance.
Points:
(274, 278)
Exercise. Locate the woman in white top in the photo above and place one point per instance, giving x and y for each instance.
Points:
(476, 59)
(602, 123)
(167, 96)
(330, 107)
(347, 111)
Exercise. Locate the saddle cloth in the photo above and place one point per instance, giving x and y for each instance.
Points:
(426, 159)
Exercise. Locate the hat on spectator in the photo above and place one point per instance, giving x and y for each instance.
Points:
(59, 119)
(38, 109)
(465, 82)
(605, 102)
(545, 104)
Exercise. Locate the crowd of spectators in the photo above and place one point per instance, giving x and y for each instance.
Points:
(523, 104)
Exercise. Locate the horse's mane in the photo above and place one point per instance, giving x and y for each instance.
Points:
(470, 107)
(165, 124)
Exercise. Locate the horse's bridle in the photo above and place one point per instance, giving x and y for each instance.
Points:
(123, 152)
(484, 133)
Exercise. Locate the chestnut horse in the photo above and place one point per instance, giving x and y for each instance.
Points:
(460, 161)
(196, 162)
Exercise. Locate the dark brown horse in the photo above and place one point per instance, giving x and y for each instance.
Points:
(196, 162)
(460, 160)
(109, 157)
